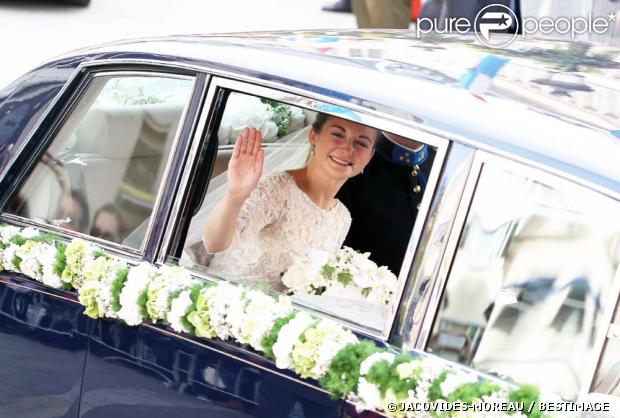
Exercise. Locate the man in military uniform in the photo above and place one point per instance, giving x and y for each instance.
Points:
(384, 200)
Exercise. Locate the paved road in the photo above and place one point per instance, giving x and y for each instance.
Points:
(31, 31)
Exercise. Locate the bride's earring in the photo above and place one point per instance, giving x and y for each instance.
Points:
(312, 149)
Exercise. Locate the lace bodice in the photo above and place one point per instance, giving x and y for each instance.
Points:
(276, 223)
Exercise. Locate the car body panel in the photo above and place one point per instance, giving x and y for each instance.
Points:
(149, 370)
(44, 344)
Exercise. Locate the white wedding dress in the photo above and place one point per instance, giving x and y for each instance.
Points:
(276, 223)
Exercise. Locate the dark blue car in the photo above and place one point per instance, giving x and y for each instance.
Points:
(493, 207)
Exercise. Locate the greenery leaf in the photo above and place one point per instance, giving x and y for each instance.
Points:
(343, 373)
(272, 336)
(117, 288)
(345, 277)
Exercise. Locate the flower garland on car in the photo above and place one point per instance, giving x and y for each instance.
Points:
(368, 376)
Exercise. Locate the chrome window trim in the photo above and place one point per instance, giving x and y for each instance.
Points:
(67, 111)
(173, 217)
(480, 159)
(375, 119)
(398, 116)
(131, 257)
(415, 300)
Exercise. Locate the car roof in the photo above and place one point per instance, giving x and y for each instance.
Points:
(551, 102)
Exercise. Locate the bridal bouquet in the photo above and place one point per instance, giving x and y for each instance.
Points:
(347, 274)
(272, 119)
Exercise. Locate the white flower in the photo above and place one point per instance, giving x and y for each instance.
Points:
(169, 280)
(224, 300)
(260, 314)
(29, 253)
(178, 309)
(29, 232)
(136, 285)
(304, 276)
(288, 336)
(295, 277)
(334, 341)
(369, 396)
(363, 270)
(9, 256)
(244, 111)
(456, 379)
(7, 232)
(298, 118)
(407, 370)
(47, 258)
(369, 361)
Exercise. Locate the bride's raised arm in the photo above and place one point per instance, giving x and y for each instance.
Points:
(244, 171)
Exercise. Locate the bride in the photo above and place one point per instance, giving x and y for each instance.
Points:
(257, 228)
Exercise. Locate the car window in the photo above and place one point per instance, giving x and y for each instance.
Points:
(101, 174)
(607, 379)
(531, 281)
(343, 260)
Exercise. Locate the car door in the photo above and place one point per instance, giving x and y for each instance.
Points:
(236, 105)
(97, 174)
(529, 282)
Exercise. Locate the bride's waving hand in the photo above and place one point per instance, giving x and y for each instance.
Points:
(244, 170)
(246, 165)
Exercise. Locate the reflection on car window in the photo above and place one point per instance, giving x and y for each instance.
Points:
(103, 169)
(341, 254)
(529, 284)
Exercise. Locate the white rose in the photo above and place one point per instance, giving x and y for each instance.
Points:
(295, 278)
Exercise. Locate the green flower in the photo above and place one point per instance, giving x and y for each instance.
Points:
(74, 254)
(88, 298)
(199, 318)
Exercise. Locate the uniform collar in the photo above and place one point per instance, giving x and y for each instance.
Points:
(402, 156)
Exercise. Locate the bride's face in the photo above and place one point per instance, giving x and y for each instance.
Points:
(343, 148)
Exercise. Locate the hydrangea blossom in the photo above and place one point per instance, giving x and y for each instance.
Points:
(9, 254)
(95, 292)
(200, 317)
(78, 254)
(7, 232)
(179, 307)
(368, 393)
(225, 302)
(29, 254)
(170, 279)
(260, 314)
(133, 296)
(47, 259)
(288, 336)
(311, 357)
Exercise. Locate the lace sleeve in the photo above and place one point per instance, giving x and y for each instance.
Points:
(260, 209)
